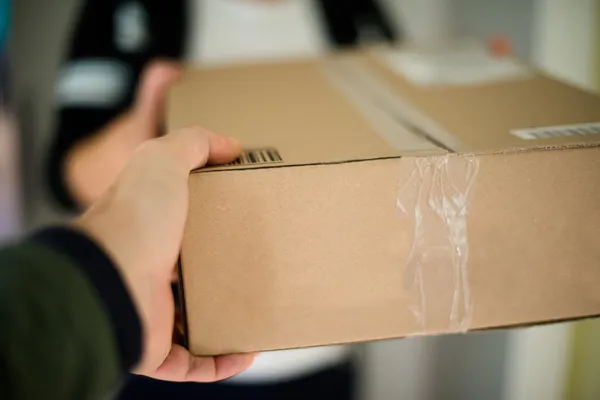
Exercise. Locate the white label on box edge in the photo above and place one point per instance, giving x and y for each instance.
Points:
(557, 131)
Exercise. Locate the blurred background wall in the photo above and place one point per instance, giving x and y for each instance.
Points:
(557, 35)
(39, 32)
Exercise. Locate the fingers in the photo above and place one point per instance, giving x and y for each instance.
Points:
(154, 83)
(223, 149)
(181, 366)
(195, 147)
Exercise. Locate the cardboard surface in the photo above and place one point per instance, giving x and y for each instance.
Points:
(350, 234)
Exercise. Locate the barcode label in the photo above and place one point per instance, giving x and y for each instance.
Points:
(258, 156)
(557, 131)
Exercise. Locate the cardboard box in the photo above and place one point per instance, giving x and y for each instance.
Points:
(372, 206)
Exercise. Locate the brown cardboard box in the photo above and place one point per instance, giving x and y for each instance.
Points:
(370, 207)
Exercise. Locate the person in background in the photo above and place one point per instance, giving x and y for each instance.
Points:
(82, 304)
(123, 57)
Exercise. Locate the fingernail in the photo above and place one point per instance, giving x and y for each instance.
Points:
(232, 141)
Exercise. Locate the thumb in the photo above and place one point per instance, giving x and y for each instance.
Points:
(194, 147)
(152, 89)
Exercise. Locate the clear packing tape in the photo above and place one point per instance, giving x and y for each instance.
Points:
(434, 194)
(396, 121)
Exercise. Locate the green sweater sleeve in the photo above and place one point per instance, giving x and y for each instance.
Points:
(58, 335)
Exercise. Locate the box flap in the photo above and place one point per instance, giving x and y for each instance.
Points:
(290, 107)
(533, 112)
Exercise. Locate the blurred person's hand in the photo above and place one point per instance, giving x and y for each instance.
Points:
(93, 164)
(139, 221)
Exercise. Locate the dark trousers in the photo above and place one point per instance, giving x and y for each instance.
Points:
(336, 383)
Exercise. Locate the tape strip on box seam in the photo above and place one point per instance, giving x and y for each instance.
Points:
(434, 194)
(365, 90)
(389, 127)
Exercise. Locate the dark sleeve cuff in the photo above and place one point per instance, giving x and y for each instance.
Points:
(110, 288)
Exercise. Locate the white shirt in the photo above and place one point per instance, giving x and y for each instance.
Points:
(225, 31)
(230, 31)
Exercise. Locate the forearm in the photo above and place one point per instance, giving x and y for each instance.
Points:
(94, 163)
(69, 329)
(76, 128)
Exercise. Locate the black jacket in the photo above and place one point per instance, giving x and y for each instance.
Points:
(69, 329)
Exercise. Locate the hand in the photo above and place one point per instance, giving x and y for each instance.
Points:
(139, 221)
(94, 163)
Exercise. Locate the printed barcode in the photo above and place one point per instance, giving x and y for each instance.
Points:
(557, 131)
(258, 156)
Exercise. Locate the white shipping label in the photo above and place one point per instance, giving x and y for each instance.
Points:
(557, 131)
(466, 66)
